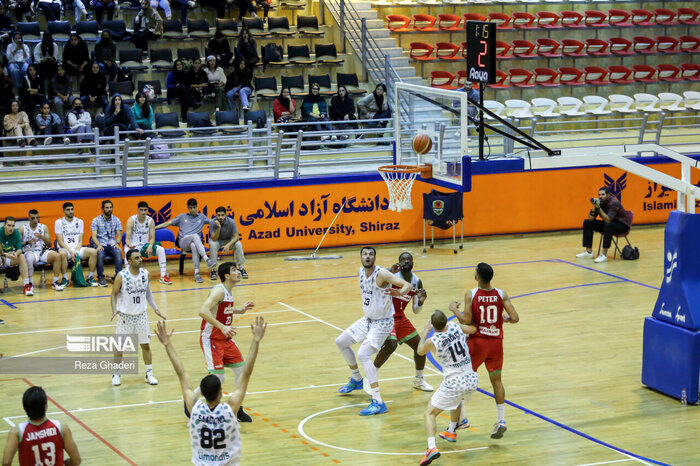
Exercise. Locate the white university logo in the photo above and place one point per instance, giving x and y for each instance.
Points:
(672, 264)
(100, 343)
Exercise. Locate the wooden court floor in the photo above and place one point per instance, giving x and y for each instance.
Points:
(572, 365)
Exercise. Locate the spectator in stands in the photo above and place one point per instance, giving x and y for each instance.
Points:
(375, 106)
(32, 92)
(80, 122)
(148, 25)
(106, 234)
(472, 94)
(223, 234)
(315, 110)
(80, 10)
(183, 5)
(76, 57)
(220, 48)
(46, 57)
(100, 7)
(284, 109)
(6, 24)
(18, 57)
(51, 9)
(164, 5)
(216, 79)
(106, 54)
(244, 7)
(22, 8)
(49, 124)
(239, 83)
(118, 115)
(12, 255)
(197, 79)
(93, 89)
(246, 48)
(143, 114)
(179, 88)
(343, 110)
(16, 124)
(62, 89)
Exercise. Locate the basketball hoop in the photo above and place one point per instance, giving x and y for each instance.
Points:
(399, 179)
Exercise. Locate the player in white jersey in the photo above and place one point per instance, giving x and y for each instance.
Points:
(130, 295)
(35, 241)
(69, 236)
(373, 328)
(141, 235)
(450, 346)
(213, 425)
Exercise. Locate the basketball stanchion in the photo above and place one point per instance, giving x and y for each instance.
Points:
(313, 255)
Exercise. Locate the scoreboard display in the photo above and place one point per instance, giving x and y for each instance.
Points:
(481, 52)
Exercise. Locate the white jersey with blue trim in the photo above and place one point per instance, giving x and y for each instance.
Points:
(376, 303)
(215, 435)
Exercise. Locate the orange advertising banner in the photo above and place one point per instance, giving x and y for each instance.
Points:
(295, 217)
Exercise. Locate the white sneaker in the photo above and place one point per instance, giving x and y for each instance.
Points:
(150, 379)
(366, 387)
(419, 383)
(601, 258)
(191, 4)
(325, 138)
(116, 380)
(584, 255)
(48, 141)
(334, 138)
(66, 141)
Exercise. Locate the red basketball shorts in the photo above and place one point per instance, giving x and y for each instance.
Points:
(220, 353)
(487, 351)
(403, 330)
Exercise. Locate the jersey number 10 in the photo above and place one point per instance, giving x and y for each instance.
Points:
(490, 315)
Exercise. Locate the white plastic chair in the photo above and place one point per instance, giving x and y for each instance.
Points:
(597, 105)
(692, 99)
(646, 102)
(517, 108)
(621, 103)
(496, 107)
(545, 107)
(570, 106)
(671, 101)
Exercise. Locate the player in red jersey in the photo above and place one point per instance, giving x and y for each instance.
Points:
(40, 440)
(404, 331)
(484, 306)
(216, 336)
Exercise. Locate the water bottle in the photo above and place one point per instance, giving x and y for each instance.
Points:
(684, 397)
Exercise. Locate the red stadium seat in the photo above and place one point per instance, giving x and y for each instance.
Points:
(572, 19)
(573, 48)
(462, 79)
(549, 48)
(669, 73)
(473, 17)
(596, 19)
(548, 20)
(464, 50)
(688, 16)
(596, 75)
(571, 76)
(690, 44)
(620, 74)
(546, 77)
(667, 44)
(448, 22)
(523, 49)
(619, 18)
(665, 16)
(442, 80)
(448, 51)
(644, 44)
(621, 46)
(421, 51)
(399, 23)
(502, 20)
(524, 20)
(597, 47)
(642, 17)
(502, 49)
(644, 73)
(521, 78)
(691, 71)
(424, 23)
(502, 81)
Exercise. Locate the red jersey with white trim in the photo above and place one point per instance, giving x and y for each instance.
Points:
(41, 444)
(487, 312)
(401, 302)
(224, 314)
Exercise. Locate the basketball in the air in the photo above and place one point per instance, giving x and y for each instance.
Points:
(422, 144)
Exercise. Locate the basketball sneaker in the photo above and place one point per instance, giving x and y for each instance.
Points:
(601, 258)
(419, 383)
(584, 255)
(449, 436)
(463, 424)
(374, 408)
(499, 429)
(91, 282)
(65, 282)
(198, 278)
(244, 274)
(165, 280)
(150, 379)
(243, 416)
(28, 289)
(116, 380)
(57, 286)
(352, 385)
(430, 455)
(213, 274)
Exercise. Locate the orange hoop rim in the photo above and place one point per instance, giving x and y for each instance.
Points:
(401, 169)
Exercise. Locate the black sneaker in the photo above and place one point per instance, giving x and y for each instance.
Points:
(2, 322)
(242, 416)
(244, 274)
(213, 274)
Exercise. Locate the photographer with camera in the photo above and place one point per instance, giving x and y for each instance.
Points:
(613, 221)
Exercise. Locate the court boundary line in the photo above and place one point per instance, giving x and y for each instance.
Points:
(602, 272)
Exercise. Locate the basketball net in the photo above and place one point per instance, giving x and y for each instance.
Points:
(399, 180)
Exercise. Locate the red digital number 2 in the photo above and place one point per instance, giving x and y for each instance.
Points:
(481, 54)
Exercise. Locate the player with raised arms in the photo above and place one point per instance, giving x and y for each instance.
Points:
(484, 306)
(450, 346)
(214, 430)
(216, 337)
